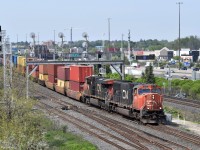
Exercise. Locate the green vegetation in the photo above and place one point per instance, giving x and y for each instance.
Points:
(62, 141)
(24, 127)
(174, 112)
(192, 42)
(148, 76)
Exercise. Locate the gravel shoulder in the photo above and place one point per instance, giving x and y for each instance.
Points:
(187, 125)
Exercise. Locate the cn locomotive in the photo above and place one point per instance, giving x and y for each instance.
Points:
(139, 101)
(136, 100)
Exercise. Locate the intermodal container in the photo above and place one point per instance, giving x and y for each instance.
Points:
(52, 69)
(20, 60)
(15, 59)
(66, 84)
(60, 83)
(21, 69)
(49, 85)
(23, 62)
(78, 72)
(63, 73)
(33, 66)
(76, 86)
(35, 74)
(52, 78)
(60, 89)
(43, 77)
(43, 69)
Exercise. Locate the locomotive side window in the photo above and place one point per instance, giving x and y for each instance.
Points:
(142, 91)
(135, 91)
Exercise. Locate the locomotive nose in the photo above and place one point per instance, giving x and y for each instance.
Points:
(152, 102)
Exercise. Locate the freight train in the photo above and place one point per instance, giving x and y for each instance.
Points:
(143, 102)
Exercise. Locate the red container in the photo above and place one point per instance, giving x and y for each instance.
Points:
(63, 73)
(76, 86)
(78, 73)
(35, 74)
(52, 69)
(33, 66)
(43, 69)
(52, 78)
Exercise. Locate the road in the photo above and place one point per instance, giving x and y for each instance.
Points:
(161, 72)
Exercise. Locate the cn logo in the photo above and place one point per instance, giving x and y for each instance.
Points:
(125, 94)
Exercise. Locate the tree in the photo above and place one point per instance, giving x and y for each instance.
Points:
(148, 75)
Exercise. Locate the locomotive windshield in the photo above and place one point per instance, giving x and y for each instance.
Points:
(147, 90)
(156, 90)
(142, 91)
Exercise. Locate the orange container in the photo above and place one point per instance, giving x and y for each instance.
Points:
(78, 72)
(43, 69)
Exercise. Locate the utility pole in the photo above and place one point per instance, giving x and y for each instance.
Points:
(17, 43)
(129, 46)
(103, 43)
(122, 51)
(179, 43)
(122, 58)
(38, 38)
(109, 33)
(71, 37)
(54, 36)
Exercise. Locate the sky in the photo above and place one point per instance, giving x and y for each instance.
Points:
(146, 19)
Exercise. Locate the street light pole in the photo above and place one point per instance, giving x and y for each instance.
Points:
(109, 33)
(54, 38)
(179, 43)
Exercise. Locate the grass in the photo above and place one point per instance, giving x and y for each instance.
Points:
(59, 140)
(173, 111)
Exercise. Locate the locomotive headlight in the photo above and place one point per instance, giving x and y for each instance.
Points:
(148, 108)
(160, 107)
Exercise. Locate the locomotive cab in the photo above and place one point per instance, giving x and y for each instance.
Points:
(147, 100)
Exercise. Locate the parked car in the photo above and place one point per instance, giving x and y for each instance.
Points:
(172, 71)
(162, 67)
(184, 68)
(195, 69)
(184, 77)
(180, 95)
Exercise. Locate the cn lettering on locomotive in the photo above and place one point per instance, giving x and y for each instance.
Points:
(124, 94)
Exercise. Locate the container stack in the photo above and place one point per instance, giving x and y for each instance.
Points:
(43, 74)
(62, 79)
(35, 74)
(77, 79)
(52, 75)
(21, 64)
(14, 60)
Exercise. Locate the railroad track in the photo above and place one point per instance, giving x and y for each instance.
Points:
(92, 130)
(162, 130)
(183, 135)
(123, 129)
(190, 103)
